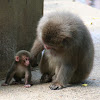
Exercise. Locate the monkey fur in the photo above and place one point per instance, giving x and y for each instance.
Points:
(69, 50)
(20, 69)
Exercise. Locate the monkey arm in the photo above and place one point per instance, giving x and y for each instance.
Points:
(36, 49)
(64, 75)
(28, 76)
(10, 74)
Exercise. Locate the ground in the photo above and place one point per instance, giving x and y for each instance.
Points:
(91, 18)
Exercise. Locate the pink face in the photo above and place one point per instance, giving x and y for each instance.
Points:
(24, 60)
(50, 47)
(47, 47)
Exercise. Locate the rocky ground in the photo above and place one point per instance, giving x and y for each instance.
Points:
(91, 18)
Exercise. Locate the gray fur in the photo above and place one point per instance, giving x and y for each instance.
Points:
(70, 59)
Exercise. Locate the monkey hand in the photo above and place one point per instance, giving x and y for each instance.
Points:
(27, 85)
(4, 84)
(55, 86)
(33, 61)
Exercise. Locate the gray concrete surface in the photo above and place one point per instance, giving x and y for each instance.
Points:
(91, 17)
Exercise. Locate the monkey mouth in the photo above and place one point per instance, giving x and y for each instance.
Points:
(26, 64)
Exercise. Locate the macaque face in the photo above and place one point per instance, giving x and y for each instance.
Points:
(54, 50)
(24, 60)
(52, 38)
(52, 42)
(55, 44)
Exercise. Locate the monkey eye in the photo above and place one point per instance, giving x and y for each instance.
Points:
(27, 59)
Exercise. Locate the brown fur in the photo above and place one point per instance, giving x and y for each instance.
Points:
(20, 69)
(71, 53)
(35, 51)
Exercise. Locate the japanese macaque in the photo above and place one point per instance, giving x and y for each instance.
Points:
(20, 69)
(69, 51)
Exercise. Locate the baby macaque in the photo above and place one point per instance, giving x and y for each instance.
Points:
(69, 51)
(20, 69)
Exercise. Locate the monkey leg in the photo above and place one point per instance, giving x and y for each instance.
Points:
(44, 68)
(55, 86)
(17, 80)
(4, 84)
(63, 77)
(54, 78)
(46, 78)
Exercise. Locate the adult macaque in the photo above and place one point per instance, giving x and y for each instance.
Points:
(69, 51)
(20, 69)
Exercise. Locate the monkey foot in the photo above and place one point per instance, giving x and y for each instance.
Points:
(55, 86)
(45, 78)
(27, 85)
(4, 84)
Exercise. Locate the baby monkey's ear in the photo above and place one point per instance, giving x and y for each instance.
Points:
(17, 58)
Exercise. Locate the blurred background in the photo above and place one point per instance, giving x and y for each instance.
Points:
(93, 3)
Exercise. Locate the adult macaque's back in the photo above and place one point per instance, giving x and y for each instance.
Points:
(69, 51)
